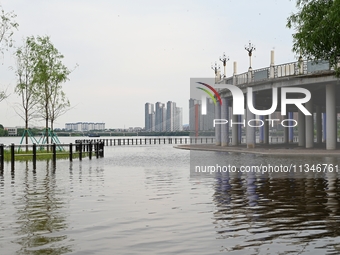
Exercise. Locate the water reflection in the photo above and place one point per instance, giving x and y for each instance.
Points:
(261, 214)
(147, 202)
(2, 182)
(39, 213)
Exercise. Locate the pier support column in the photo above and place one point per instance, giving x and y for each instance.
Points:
(266, 130)
(331, 117)
(301, 129)
(285, 131)
(234, 130)
(225, 128)
(309, 125)
(324, 127)
(250, 131)
(218, 126)
(291, 128)
(240, 128)
(318, 125)
(261, 139)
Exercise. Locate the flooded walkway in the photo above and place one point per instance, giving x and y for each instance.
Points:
(268, 149)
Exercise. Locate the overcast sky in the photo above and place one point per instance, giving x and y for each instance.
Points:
(133, 52)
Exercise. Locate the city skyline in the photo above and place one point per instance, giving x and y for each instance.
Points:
(164, 118)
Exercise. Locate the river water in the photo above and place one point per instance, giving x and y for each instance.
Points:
(145, 200)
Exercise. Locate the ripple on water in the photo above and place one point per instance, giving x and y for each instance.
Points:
(144, 200)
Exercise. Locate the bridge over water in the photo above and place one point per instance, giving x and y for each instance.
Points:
(318, 78)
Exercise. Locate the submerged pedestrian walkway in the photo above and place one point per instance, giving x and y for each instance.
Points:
(265, 149)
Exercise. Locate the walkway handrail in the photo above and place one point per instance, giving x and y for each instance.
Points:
(282, 70)
(261, 74)
(241, 78)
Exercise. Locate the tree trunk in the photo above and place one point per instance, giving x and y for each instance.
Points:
(46, 115)
(52, 129)
(26, 130)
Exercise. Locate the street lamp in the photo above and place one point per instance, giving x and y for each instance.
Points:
(250, 50)
(214, 68)
(224, 60)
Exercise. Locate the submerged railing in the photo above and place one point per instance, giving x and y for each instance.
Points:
(30, 152)
(152, 140)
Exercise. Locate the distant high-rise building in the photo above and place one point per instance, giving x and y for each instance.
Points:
(197, 121)
(153, 119)
(149, 117)
(165, 118)
(208, 119)
(178, 119)
(160, 117)
(99, 126)
(84, 126)
(194, 114)
(170, 114)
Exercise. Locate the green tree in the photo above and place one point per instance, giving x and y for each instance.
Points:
(25, 88)
(3, 132)
(49, 74)
(316, 25)
(7, 27)
(59, 105)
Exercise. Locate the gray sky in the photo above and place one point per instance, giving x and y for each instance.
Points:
(133, 52)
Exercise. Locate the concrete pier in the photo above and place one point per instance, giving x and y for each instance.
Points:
(291, 128)
(225, 128)
(301, 129)
(250, 130)
(239, 132)
(331, 117)
(309, 125)
(234, 131)
(261, 140)
(286, 132)
(266, 130)
(318, 125)
(324, 127)
(218, 127)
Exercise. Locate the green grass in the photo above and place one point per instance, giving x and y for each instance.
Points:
(24, 155)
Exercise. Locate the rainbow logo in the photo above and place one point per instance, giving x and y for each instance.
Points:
(211, 95)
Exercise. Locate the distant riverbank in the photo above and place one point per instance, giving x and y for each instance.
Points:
(113, 133)
(37, 133)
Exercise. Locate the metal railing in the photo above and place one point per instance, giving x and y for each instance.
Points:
(278, 71)
(151, 141)
(241, 78)
(32, 151)
(261, 74)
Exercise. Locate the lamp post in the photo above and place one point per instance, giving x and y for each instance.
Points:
(216, 70)
(250, 50)
(224, 60)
